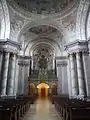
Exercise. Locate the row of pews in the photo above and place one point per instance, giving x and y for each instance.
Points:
(71, 109)
(15, 108)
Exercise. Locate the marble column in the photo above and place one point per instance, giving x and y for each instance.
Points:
(80, 75)
(10, 86)
(1, 61)
(64, 79)
(85, 67)
(16, 79)
(5, 74)
(59, 76)
(30, 68)
(69, 78)
(53, 63)
(73, 76)
(55, 68)
(22, 89)
(32, 63)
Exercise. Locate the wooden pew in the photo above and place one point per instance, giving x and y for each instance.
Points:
(72, 109)
(14, 109)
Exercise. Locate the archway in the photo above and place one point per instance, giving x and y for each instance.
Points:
(54, 89)
(43, 89)
(31, 89)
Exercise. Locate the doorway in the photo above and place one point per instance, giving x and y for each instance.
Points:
(43, 90)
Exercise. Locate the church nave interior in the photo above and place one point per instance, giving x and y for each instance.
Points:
(45, 59)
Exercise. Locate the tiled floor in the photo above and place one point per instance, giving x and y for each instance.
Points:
(43, 109)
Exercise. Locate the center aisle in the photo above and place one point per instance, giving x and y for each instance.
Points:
(42, 109)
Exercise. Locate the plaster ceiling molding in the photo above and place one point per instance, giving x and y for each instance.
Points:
(33, 38)
(39, 9)
(16, 25)
(88, 26)
(82, 15)
(51, 23)
(28, 36)
(1, 19)
(47, 40)
(1, 12)
(43, 29)
(32, 45)
(43, 6)
(69, 24)
(4, 20)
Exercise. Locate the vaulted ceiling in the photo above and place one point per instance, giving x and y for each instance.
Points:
(44, 6)
(41, 23)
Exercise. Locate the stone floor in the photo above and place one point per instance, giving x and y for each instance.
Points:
(42, 109)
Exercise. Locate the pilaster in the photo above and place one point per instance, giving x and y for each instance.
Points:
(74, 81)
(9, 50)
(5, 74)
(80, 76)
(10, 85)
(78, 48)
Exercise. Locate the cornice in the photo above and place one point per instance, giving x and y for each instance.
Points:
(63, 63)
(77, 42)
(77, 46)
(61, 58)
(9, 42)
(24, 60)
(24, 57)
(9, 46)
(23, 63)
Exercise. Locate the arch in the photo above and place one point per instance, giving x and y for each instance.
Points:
(88, 25)
(49, 42)
(42, 84)
(31, 90)
(43, 90)
(53, 88)
(82, 19)
(32, 85)
(5, 21)
(35, 23)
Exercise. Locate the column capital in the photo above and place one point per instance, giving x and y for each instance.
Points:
(24, 60)
(8, 45)
(80, 75)
(76, 46)
(60, 58)
(71, 54)
(63, 63)
(78, 53)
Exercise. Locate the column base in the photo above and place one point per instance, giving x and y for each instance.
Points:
(11, 95)
(3, 96)
(73, 97)
(81, 97)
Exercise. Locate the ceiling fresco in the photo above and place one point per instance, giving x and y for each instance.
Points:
(44, 6)
(42, 29)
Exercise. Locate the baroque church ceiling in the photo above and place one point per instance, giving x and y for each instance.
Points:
(43, 29)
(44, 6)
(48, 29)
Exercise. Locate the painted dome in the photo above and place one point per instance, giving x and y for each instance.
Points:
(44, 6)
